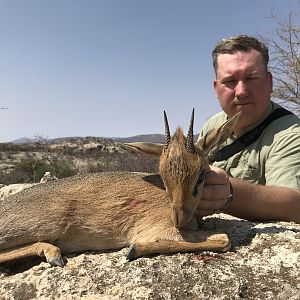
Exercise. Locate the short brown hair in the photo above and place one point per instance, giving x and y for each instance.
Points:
(240, 43)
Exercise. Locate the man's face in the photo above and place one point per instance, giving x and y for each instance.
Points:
(243, 84)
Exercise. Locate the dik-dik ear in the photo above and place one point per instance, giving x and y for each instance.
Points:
(217, 136)
(146, 148)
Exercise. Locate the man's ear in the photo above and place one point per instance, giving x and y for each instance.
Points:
(270, 77)
(146, 148)
(217, 136)
(215, 87)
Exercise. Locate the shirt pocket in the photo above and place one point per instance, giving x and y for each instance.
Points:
(250, 173)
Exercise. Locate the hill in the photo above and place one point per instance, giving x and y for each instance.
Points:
(29, 160)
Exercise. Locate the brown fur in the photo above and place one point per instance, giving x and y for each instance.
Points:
(110, 211)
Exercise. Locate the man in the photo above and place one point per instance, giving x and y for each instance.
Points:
(264, 178)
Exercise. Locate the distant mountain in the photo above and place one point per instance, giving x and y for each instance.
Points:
(152, 138)
(24, 140)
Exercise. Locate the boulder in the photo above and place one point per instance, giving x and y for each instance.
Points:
(7, 190)
(48, 177)
(263, 263)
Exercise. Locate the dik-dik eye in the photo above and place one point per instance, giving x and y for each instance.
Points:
(199, 181)
(201, 177)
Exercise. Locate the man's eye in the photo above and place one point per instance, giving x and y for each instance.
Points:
(231, 82)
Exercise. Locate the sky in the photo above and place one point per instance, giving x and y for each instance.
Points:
(108, 68)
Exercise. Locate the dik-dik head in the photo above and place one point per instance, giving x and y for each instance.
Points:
(183, 165)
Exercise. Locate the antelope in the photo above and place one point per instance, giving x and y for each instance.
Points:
(151, 213)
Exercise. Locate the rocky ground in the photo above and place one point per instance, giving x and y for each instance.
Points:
(263, 263)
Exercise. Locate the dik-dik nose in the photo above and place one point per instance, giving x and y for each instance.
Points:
(178, 218)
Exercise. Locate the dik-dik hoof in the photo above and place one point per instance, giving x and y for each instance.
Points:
(132, 252)
(52, 254)
(56, 261)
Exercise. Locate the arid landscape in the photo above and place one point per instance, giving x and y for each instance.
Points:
(28, 161)
(263, 262)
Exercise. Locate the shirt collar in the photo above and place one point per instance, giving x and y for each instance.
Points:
(270, 108)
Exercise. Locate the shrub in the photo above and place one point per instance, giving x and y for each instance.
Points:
(34, 168)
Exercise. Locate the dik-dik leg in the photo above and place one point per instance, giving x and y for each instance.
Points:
(52, 253)
(213, 242)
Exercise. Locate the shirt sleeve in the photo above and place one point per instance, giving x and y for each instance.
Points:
(283, 162)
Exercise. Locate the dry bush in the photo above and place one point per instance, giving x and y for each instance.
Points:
(284, 46)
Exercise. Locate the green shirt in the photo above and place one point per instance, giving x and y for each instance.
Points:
(273, 159)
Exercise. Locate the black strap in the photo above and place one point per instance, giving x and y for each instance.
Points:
(249, 137)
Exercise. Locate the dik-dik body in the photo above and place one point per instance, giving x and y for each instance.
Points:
(112, 210)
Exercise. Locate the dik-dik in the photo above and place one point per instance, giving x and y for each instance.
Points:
(111, 210)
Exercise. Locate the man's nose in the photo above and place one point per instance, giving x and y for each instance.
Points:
(241, 89)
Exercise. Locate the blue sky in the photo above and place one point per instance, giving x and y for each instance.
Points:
(110, 67)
